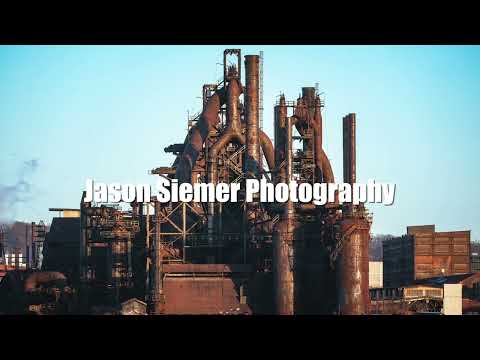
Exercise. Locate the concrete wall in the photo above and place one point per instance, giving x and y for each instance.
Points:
(452, 299)
(375, 274)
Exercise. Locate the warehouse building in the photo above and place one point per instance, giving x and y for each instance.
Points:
(424, 253)
(475, 257)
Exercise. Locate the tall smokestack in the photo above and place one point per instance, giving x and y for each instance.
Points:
(352, 263)
(252, 113)
(280, 112)
(349, 144)
(284, 242)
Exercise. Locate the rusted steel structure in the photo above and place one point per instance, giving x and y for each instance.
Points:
(112, 255)
(313, 258)
(39, 232)
(320, 252)
(242, 257)
(353, 296)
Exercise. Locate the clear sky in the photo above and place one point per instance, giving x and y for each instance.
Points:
(107, 112)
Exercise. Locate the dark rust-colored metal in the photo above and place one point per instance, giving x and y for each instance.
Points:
(308, 114)
(321, 160)
(317, 119)
(251, 115)
(349, 154)
(175, 148)
(352, 268)
(252, 167)
(319, 254)
(157, 296)
(308, 96)
(227, 73)
(352, 262)
(284, 255)
(233, 132)
(349, 146)
(197, 135)
(37, 280)
(280, 113)
(268, 150)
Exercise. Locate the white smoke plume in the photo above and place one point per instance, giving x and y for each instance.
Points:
(20, 192)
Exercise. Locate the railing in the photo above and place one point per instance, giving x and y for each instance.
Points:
(205, 240)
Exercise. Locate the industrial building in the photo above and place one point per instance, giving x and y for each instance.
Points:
(475, 257)
(448, 295)
(424, 253)
(243, 257)
(239, 258)
(221, 258)
(61, 245)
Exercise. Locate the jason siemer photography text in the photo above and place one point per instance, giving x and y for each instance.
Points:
(255, 190)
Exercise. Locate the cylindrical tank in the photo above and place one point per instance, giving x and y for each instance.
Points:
(284, 285)
(352, 270)
(283, 242)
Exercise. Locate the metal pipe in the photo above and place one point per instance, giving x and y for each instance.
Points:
(352, 273)
(184, 230)
(283, 244)
(252, 158)
(157, 288)
(279, 123)
(251, 115)
(317, 119)
(268, 150)
(233, 132)
(83, 250)
(349, 153)
(197, 135)
(322, 163)
(289, 150)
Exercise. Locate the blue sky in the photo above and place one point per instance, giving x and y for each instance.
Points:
(107, 112)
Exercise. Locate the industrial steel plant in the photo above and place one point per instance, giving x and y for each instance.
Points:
(237, 257)
(233, 257)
